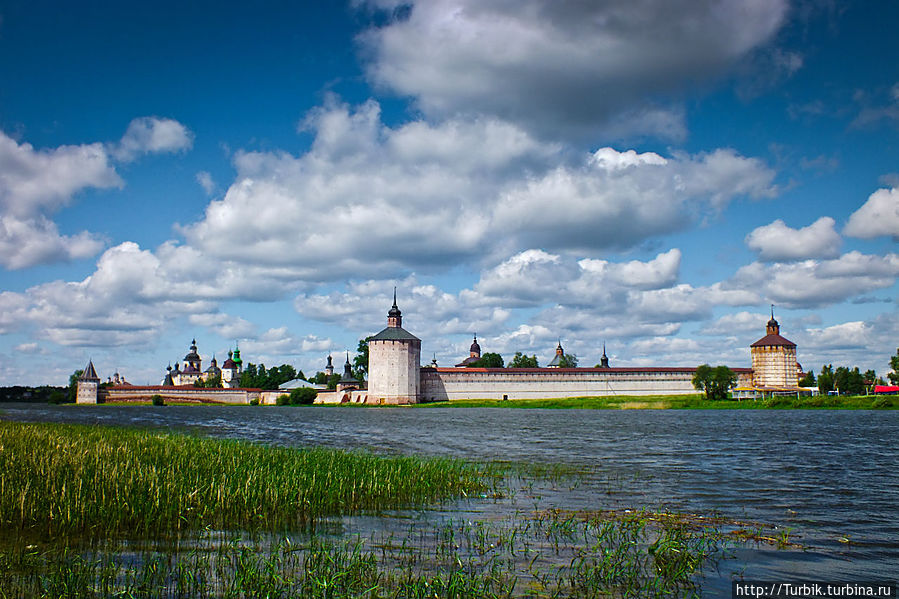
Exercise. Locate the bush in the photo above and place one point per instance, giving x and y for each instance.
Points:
(282, 400)
(303, 396)
(882, 403)
(254, 401)
(157, 400)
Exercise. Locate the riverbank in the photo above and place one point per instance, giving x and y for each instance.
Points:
(681, 402)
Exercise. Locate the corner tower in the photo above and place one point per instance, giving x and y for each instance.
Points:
(394, 360)
(88, 386)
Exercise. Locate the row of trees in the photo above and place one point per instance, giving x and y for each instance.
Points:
(258, 377)
(847, 381)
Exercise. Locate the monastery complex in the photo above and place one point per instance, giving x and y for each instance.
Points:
(396, 377)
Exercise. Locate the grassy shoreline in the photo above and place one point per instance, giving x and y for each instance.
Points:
(679, 402)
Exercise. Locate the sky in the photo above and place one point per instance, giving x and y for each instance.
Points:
(646, 176)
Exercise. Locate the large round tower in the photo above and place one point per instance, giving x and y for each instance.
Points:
(394, 359)
(774, 359)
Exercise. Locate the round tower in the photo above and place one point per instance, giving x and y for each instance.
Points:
(774, 359)
(394, 360)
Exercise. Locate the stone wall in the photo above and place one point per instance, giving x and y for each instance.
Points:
(447, 384)
(179, 394)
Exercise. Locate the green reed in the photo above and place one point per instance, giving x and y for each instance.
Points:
(58, 478)
(551, 554)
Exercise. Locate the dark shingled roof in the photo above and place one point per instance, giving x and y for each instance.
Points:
(773, 340)
(89, 374)
(394, 334)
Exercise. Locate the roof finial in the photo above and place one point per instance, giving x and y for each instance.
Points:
(772, 310)
(394, 296)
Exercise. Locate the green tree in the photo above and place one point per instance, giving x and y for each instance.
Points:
(808, 380)
(825, 379)
(848, 382)
(213, 382)
(360, 362)
(568, 361)
(715, 382)
(322, 378)
(894, 365)
(488, 360)
(73, 385)
(521, 361)
(303, 396)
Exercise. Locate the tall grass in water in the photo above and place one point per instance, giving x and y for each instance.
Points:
(554, 555)
(90, 480)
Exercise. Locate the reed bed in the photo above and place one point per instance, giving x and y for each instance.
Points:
(94, 481)
(550, 554)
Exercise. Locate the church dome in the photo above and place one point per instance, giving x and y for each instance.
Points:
(475, 348)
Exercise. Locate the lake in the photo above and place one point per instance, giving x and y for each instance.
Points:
(830, 476)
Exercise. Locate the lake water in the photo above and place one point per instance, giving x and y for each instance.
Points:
(830, 476)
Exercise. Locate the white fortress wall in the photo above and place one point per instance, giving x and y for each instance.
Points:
(447, 384)
(224, 396)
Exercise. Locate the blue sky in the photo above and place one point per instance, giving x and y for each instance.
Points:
(652, 176)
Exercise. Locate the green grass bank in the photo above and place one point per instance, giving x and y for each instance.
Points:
(681, 402)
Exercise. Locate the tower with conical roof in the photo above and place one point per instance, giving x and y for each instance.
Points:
(88, 387)
(556, 362)
(774, 359)
(394, 361)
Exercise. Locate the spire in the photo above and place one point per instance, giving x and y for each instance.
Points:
(394, 316)
(773, 327)
(604, 360)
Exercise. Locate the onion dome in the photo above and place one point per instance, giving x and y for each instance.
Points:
(475, 348)
(229, 363)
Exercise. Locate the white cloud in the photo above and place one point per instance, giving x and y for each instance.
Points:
(779, 243)
(152, 135)
(31, 241)
(616, 199)
(813, 283)
(35, 182)
(582, 66)
(739, 322)
(877, 216)
(205, 180)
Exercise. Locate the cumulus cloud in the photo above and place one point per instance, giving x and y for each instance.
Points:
(389, 201)
(36, 183)
(27, 242)
(581, 65)
(877, 216)
(616, 199)
(152, 135)
(739, 322)
(812, 283)
(779, 243)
